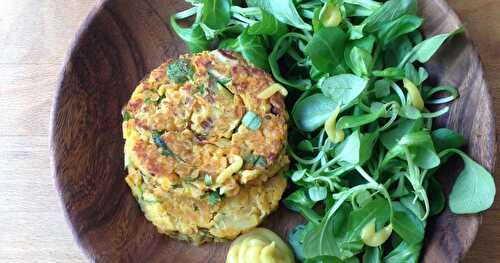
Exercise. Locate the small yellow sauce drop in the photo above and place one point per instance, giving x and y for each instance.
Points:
(259, 246)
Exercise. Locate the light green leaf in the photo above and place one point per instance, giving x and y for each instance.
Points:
(283, 10)
(312, 112)
(268, 25)
(193, 37)
(474, 189)
(388, 12)
(343, 89)
(427, 48)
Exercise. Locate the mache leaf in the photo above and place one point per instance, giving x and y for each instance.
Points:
(312, 112)
(216, 13)
(326, 48)
(283, 10)
(194, 37)
(474, 189)
(343, 89)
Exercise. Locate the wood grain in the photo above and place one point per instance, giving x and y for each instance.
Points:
(34, 36)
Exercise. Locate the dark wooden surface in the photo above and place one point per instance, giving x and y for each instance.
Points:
(119, 44)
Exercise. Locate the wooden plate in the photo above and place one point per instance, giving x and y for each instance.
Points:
(118, 44)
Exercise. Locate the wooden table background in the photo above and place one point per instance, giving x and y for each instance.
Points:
(34, 38)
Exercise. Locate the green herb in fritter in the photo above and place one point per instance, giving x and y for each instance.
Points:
(253, 160)
(207, 179)
(160, 143)
(126, 116)
(214, 198)
(201, 89)
(251, 120)
(180, 71)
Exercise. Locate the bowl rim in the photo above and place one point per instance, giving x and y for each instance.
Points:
(66, 65)
(83, 29)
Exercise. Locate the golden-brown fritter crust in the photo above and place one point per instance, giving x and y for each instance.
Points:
(186, 141)
(200, 121)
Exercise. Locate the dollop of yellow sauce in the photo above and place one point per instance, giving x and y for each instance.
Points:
(259, 246)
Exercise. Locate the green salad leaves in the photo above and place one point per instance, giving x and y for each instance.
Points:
(361, 139)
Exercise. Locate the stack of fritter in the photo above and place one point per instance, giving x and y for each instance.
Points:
(205, 146)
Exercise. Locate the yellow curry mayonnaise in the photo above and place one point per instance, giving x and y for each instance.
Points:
(259, 246)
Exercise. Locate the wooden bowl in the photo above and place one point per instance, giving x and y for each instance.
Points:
(118, 44)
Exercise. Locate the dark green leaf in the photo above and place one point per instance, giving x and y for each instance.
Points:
(382, 88)
(398, 27)
(421, 149)
(326, 48)
(424, 156)
(422, 75)
(377, 209)
(411, 73)
(391, 73)
(321, 241)
(298, 201)
(251, 47)
(390, 138)
(305, 146)
(413, 205)
(407, 225)
(446, 139)
(404, 252)
(366, 43)
(367, 5)
(279, 50)
(372, 255)
(330, 259)
(396, 51)
(353, 121)
(436, 197)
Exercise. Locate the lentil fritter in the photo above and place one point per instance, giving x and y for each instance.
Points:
(205, 138)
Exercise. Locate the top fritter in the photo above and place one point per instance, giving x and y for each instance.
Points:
(206, 122)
